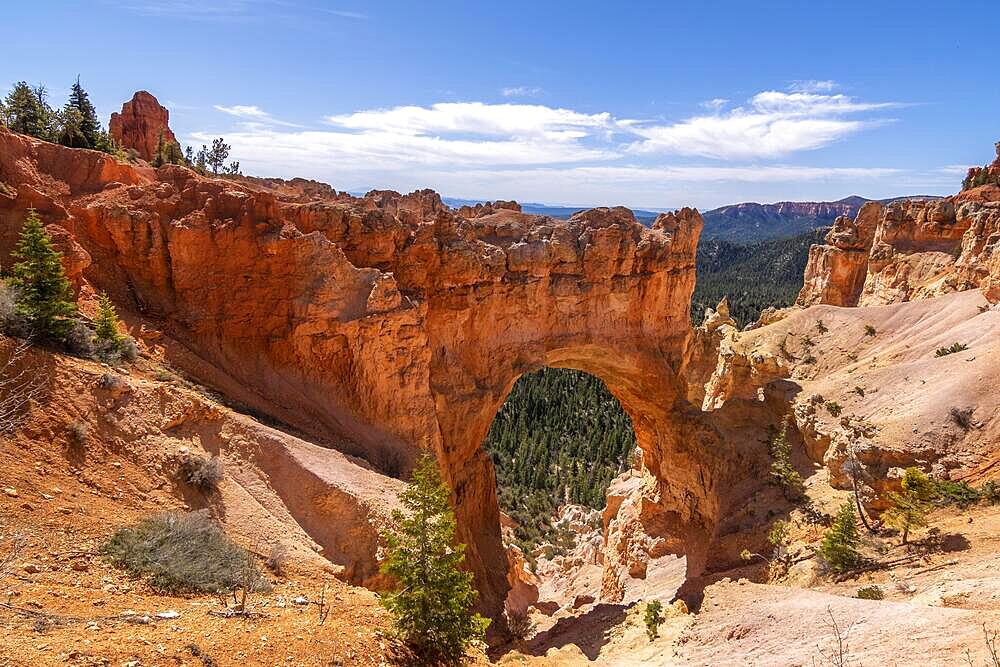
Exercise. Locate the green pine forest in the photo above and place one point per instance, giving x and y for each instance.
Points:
(561, 436)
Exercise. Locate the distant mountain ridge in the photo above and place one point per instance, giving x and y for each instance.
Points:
(750, 221)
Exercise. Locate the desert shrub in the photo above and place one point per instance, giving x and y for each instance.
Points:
(277, 558)
(990, 492)
(201, 473)
(951, 349)
(807, 341)
(859, 391)
(872, 592)
(783, 473)
(180, 553)
(839, 548)
(198, 652)
(955, 493)
(961, 417)
(834, 408)
(870, 330)
(810, 359)
(79, 340)
(129, 348)
(8, 302)
(652, 618)
(77, 434)
(778, 533)
(821, 327)
(518, 622)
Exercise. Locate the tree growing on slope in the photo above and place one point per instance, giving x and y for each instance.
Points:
(26, 111)
(44, 299)
(840, 544)
(431, 606)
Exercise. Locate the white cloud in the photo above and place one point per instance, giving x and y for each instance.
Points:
(252, 114)
(521, 120)
(521, 91)
(773, 124)
(535, 152)
(813, 86)
(715, 105)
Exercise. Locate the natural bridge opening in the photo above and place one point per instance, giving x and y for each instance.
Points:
(557, 443)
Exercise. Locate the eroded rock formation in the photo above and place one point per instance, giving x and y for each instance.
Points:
(141, 125)
(386, 324)
(908, 250)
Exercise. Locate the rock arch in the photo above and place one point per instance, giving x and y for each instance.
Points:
(383, 324)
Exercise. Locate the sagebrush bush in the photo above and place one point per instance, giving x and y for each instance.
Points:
(653, 618)
(961, 417)
(201, 473)
(180, 553)
(79, 340)
(951, 349)
(872, 592)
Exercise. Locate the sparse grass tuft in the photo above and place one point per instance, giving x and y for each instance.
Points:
(180, 553)
(820, 327)
(870, 330)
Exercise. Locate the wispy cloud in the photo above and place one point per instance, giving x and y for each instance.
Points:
(715, 105)
(813, 86)
(521, 91)
(253, 114)
(772, 124)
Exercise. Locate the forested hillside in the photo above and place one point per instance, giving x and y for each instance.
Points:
(560, 437)
(754, 276)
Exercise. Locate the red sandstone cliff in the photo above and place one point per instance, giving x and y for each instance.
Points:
(142, 123)
(383, 324)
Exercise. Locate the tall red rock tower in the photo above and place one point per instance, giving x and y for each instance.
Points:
(140, 123)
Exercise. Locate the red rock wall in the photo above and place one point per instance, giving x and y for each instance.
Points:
(140, 125)
(385, 324)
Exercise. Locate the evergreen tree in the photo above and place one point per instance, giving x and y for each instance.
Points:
(90, 127)
(44, 298)
(431, 606)
(106, 333)
(783, 473)
(907, 512)
(840, 544)
(217, 156)
(70, 122)
(27, 112)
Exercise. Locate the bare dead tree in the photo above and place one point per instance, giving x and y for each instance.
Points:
(18, 386)
(853, 468)
(837, 655)
(11, 546)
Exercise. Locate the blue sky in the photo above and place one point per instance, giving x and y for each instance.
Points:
(646, 104)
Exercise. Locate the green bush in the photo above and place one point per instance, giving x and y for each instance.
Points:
(180, 553)
(839, 548)
(834, 408)
(653, 618)
(872, 592)
(951, 349)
